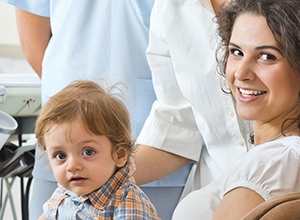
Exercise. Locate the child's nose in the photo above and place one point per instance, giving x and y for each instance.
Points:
(74, 164)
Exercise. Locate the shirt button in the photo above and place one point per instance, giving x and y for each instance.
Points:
(76, 203)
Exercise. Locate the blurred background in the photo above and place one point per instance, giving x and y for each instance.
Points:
(17, 77)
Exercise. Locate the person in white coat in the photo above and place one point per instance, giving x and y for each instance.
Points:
(192, 120)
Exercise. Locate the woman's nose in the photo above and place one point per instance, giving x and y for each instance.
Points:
(245, 71)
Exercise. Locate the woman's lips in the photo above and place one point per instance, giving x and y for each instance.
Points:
(249, 95)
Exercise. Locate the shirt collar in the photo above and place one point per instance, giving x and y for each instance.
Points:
(101, 197)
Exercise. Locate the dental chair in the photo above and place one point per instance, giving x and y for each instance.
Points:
(16, 162)
(285, 207)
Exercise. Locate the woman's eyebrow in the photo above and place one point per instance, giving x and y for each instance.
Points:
(234, 45)
(259, 47)
(268, 47)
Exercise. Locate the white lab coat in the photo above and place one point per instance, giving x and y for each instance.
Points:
(191, 109)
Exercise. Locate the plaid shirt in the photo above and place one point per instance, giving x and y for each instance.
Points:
(119, 198)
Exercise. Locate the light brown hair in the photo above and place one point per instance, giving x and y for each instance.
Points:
(100, 112)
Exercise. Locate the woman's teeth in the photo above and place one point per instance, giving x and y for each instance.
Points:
(251, 92)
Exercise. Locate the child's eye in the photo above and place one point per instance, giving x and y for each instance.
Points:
(88, 152)
(60, 156)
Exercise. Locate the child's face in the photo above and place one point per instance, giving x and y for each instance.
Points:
(81, 162)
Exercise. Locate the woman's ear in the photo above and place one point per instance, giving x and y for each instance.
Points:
(120, 156)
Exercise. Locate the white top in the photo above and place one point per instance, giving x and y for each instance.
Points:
(191, 108)
(269, 169)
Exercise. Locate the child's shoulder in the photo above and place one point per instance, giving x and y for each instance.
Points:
(132, 199)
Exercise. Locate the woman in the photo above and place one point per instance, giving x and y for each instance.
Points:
(261, 43)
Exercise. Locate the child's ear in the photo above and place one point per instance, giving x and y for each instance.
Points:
(121, 156)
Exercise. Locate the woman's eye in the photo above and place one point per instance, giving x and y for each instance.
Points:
(236, 52)
(267, 57)
(60, 156)
(88, 152)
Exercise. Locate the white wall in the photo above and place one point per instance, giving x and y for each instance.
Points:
(9, 39)
(8, 27)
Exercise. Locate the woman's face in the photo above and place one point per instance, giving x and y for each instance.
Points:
(261, 79)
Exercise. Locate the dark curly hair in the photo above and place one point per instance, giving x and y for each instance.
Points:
(283, 19)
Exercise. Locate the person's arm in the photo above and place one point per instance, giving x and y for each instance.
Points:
(34, 33)
(153, 164)
(237, 203)
(170, 137)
